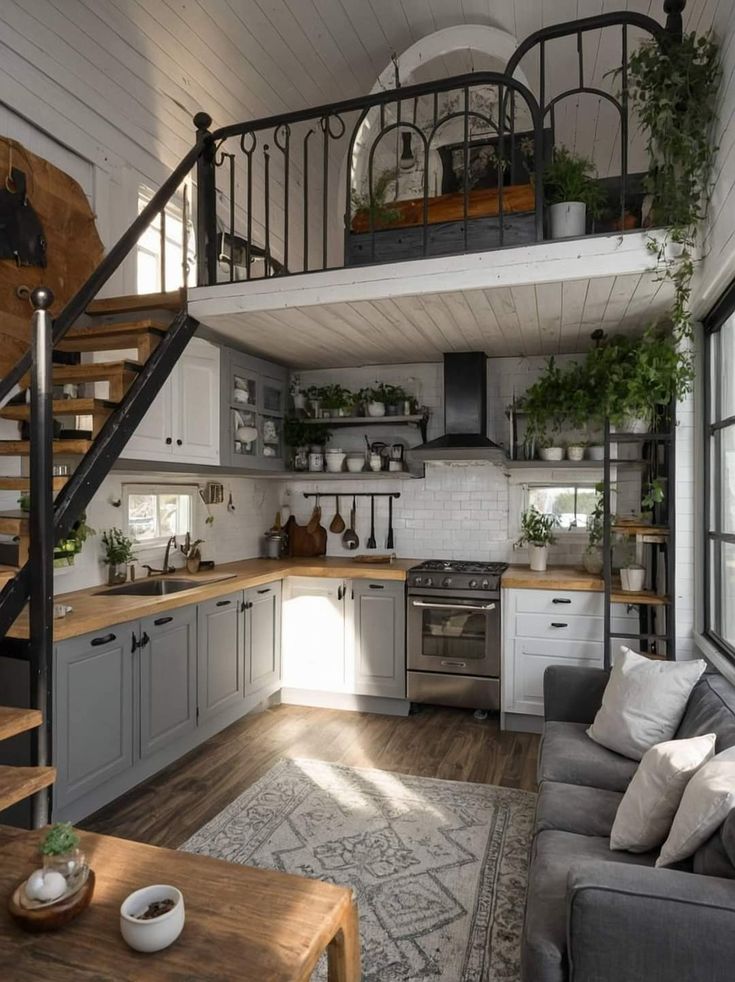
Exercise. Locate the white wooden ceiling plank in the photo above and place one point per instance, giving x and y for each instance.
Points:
(573, 295)
(618, 301)
(548, 304)
(319, 33)
(598, 294)
(474, 332)
(332, 318)
(524, 302)
(370, 30)
(400, 331)
(372, 328)
(415, 308)
(408, 312)
(420, 338)
(488, 321)
(437, 311)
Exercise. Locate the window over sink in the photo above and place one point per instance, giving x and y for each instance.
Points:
(154, 512)
(571, 503)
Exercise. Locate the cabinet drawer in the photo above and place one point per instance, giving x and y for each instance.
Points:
(555, 602)
(532, 658)
(576, 628)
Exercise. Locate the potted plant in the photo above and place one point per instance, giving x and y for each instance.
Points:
(571, 191)
(67, 549)
(313, 397)
(575, 450)
(632, 577)
(336, 400)
(299, 435)
(537, 531)
(374, 399)
(654, 495)
(297, 396)
(550, 448)
(371, 210)
(60, 850)
(395, 398)
(119, 553)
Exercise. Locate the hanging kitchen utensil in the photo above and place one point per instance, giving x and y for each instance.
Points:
(389, 539)
(350, 539)
(371, 543)
(338, 524)
(315, 518)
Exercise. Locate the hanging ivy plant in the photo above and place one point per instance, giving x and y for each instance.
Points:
(673, 87)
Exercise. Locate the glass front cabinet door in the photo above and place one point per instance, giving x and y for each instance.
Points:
(253, 408)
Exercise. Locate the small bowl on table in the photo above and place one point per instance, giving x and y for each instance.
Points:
(155, 933)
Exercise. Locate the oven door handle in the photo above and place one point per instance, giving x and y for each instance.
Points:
(483, 607)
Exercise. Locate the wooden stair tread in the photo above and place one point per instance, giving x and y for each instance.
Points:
(17, 783)
(174, 300)
(110, 337)
(93, 371)
(63, 407)
(7, 573)
(14, 721)
(102, 330)
(24, 484)
(14, 523)
(22, 448)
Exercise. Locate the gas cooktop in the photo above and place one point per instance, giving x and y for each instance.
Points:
(459, 578)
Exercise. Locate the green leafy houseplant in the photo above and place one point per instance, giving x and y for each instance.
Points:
(569, 177)
(374, 208)
(298, 433)
(537, 529)
(60, 839)
(66, 549)
(119, 549)
(334, 397)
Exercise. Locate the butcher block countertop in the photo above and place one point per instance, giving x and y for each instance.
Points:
(555, 578)
(95, 608)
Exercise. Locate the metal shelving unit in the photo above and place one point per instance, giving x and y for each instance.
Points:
(655, 543)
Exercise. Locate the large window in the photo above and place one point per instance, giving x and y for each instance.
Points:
(720, 478)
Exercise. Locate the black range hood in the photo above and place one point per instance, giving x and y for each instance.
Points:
(465, 413)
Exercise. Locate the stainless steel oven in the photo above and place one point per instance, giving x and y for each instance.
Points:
(454, 634)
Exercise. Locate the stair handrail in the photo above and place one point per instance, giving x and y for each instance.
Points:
(87, 292)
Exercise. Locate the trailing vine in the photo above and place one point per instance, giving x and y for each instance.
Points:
(673, 87)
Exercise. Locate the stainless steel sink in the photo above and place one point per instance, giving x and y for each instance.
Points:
(158, 587)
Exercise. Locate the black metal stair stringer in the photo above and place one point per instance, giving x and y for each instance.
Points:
(96, 463)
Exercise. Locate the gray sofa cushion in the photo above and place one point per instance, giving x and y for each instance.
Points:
(574, 808)
(544, 956)
(711, 709)
(569, 756)
(716, 857)
(728, 836)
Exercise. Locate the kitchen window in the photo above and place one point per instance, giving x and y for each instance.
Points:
(153, 513)
(571, 503)
(719, 484)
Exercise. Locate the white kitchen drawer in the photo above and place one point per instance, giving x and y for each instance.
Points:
(557, 626)
(532, 657)
(565, 602)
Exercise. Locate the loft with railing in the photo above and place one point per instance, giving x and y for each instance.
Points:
(390, 191)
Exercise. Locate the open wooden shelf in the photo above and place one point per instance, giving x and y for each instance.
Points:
(363, 420)
(17, 783)
(14, 721)
(649, 534)
(619, 596)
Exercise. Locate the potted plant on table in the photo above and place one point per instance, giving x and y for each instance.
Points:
(571, 192)
(119, 553)
(537, 532)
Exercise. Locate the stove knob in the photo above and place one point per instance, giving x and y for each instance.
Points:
(485, 585)
(474, 584)
(428, 581)
(417, 581)
(447, 581)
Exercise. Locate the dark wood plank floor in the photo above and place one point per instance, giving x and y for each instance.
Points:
(434, 742)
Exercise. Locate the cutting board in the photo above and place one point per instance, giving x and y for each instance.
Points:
(304, 544)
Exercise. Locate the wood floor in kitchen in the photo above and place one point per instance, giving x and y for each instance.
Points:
(444, 743)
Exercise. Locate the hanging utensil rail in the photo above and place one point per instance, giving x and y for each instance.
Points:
(351, 494)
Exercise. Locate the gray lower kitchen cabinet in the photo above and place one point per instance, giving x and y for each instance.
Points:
(379, 625)
(93, 737)
(220, 654)
(168, 689)
(262, 637)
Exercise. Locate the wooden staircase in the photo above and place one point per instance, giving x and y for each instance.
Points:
(17, 783)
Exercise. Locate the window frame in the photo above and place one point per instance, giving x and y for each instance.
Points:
(190, 490)
(528, 486)
(713, 324)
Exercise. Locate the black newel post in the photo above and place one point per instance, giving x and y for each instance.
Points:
(41, 555)
(206, 206)
(674, 23)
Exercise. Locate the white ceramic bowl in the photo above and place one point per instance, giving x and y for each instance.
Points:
(334, 460)
(355, 464)
(159, 932)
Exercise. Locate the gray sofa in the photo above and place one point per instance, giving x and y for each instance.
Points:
(593, 915)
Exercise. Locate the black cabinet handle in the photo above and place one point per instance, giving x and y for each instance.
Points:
(557, 624)
(134, 645)
(223, 603)
(144, 640)
(162, 620)
(267, 590)
(105, 639)
(179, 442)
(340, 592)
(561, 600)
(169, 441)
(377, 586)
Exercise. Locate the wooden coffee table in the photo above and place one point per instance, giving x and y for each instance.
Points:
(241, 923)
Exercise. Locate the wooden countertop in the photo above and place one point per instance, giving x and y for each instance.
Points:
(555, 578)
(96, 608)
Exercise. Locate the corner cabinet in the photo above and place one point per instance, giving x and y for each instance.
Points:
(345, 636)
(253, 409)
(183, 422)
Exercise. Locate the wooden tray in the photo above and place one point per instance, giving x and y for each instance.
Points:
(379, 559)
(53, 916)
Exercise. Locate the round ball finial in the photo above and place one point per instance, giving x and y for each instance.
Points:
(42, 298)
(202, 121)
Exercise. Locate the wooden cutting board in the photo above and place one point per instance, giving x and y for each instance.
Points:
(303, 544)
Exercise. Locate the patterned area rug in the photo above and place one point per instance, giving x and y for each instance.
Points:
(439, 867)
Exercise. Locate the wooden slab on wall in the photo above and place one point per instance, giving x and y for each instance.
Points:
(74, 247)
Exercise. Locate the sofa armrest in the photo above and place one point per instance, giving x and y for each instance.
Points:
(643, 924)
(573, 695)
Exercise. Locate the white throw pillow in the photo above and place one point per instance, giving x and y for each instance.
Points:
(645, 814)
(707, 800)
(643, 702)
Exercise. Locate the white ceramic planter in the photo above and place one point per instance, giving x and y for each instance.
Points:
(299, 401)
(575, 452)
(596, 452)
(376, 409)
(159, 932)
(635, 424)
(551, 453)
(334, 459)
(568, 219)
(632, 579)
(537, 556)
